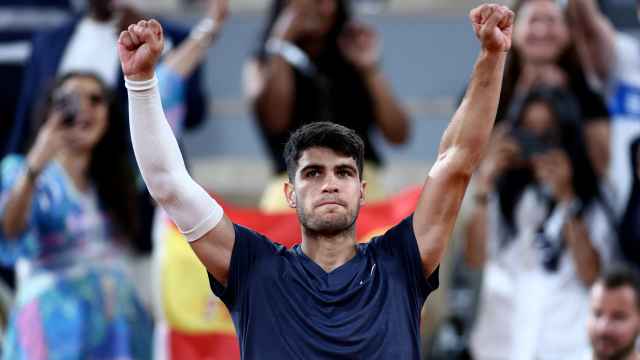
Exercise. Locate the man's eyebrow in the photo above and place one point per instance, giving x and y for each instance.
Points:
(311, 166)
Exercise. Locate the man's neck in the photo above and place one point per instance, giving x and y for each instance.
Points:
(329, 252)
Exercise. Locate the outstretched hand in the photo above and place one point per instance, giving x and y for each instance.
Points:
(493, 25)
(140, 47)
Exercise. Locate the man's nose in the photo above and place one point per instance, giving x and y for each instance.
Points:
(330, 184)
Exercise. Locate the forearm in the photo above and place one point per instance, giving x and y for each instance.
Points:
(189, 54)
(594, 36)
(390, 116)
(18, 207)
(162, 166)
(583, 253)
(275, 94)
(471, 126)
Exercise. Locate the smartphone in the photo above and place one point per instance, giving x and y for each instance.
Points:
(530, 144)
(68, 105)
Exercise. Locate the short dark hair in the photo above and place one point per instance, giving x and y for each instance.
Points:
(323, 134)
(620, 275)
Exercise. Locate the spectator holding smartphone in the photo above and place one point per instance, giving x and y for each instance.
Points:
(67, 213)
(541, 232)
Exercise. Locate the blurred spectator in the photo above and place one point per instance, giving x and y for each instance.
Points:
(19, 19)
(544, 55)
(88, 43)
(630, 225)
(315, 64)
(67, 212)
(541, 231)
(614, 319)
(614, 59)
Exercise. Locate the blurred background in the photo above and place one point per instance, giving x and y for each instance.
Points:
(428, 53)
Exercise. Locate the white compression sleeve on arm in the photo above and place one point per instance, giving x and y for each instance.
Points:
(162, 166)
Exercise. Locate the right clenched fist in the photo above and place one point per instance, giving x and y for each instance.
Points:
(140, 47)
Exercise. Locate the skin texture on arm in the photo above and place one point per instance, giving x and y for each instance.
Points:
(594, 36)
(465, 139)
(162, 166)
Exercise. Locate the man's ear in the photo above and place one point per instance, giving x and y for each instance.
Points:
(290, 194)
(363, 188)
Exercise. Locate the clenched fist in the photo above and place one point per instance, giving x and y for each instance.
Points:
(493, 25)
(140, 47)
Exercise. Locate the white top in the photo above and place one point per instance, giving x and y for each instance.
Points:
(527, 312)
(92, 48)
(623, 96)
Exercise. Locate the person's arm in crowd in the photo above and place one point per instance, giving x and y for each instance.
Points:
(594, 36)
(18, 206)
(584, 254)
(360, 45)
(464, 141)
(554, 170)
(184, 59)
(199, 217)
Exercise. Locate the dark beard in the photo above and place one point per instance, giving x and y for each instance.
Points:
(328, 228)
(621, 354)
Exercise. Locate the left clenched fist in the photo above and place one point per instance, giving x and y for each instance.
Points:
(493, 25)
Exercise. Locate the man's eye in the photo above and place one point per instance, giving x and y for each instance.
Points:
(312, 173)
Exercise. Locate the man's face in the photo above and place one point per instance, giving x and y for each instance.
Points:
(327, 191)
(614, 322)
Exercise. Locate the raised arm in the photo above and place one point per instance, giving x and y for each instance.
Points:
(184, 59)
(594, 36)
(464, 141)
(196, 214)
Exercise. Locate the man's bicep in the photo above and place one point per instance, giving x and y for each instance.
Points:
(214, 249)
(437, 211)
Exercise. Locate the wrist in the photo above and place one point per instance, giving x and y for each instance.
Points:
(140, 83)
(141, 76)
(204, 31)
(32, 172)
(291, 53)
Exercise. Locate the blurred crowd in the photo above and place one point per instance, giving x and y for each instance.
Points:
(551, 225)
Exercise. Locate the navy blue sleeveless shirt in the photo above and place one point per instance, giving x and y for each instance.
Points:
(285, 306)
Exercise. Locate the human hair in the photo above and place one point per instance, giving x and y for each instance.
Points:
(323, 134)
(568, 133)
(619, 276)
(343, 16)
(567, 61)
(110, 166)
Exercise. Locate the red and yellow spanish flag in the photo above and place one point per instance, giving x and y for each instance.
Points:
(194, 323)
